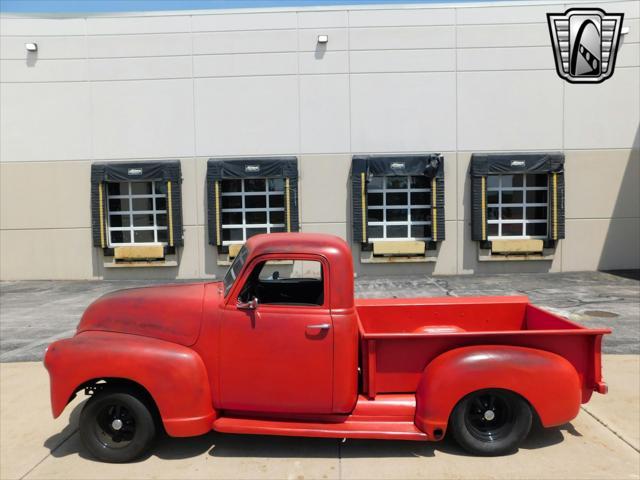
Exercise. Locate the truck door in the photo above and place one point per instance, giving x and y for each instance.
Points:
(276, 352)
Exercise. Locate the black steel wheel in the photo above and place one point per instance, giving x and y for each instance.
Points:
(491, 422)
(117, 426)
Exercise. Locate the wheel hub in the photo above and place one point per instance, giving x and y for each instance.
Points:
(115, 427)
(117, 424)
(489, 416)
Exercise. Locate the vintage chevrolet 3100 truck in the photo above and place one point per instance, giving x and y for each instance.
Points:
(280, 347)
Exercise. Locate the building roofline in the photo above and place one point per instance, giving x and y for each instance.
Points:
(303, 9)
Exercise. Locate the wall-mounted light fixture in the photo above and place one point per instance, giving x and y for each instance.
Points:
(624, 30)
(322, 39)
(31, 47)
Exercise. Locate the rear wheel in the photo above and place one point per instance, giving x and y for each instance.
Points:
(117, 426)
(491, 422)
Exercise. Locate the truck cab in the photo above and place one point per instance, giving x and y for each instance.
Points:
(288, 328)
(280, 346)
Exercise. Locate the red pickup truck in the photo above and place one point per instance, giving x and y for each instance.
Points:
(280, 347)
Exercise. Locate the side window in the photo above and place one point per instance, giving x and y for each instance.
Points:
(274, 282)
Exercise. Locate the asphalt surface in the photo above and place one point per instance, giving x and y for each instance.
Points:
(35, 313)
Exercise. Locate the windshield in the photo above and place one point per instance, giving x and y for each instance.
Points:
(234, 269)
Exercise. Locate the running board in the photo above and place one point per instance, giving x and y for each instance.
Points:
(402, 430)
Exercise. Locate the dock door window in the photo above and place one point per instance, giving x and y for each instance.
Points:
(251, 206)
(136, 204)
(137, 213)
(399, 207)
(517, 196)
(250, 196)
(398, 200)
(517, 206)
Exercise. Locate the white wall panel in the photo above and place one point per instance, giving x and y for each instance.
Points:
(631, 9)
(246, 116)
(524, 35)
(138, 119)
(247, 64)
(323, 62)
(628, 55)
(509, 110)
(42, 26)
(402, 17)
(335, 18)
(43, 70)
(515, 58)
(48, 47)
(138, 24)
(139, 68)
(44, 121)
(324, 113)
(139, 45)
(507, 14)
(402, 37)
(604, 115)
(436, 60)
(634, 30)
(244, 21)
(245, 42)
(403, 112)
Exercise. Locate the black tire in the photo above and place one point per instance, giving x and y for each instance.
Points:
(489, 434)
(121, 441)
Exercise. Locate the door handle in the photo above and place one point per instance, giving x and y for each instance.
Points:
(319, 326)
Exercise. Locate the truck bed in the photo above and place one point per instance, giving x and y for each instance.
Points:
(401, 336)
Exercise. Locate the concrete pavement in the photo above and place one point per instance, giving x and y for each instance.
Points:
(35, 313)
(602, 442)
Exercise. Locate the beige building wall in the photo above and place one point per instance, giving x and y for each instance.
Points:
(453, 79)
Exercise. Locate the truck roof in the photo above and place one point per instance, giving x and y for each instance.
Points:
(333, 248)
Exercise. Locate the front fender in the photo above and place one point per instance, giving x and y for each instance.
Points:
(546, 380)
(174, 375)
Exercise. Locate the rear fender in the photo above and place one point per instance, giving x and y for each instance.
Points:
(547, 381)
(172, 374)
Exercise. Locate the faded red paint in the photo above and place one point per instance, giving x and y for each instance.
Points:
(209, 365)
(169, 312)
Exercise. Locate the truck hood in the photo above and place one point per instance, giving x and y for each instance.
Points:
(167, 312)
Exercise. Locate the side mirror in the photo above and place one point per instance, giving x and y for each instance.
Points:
(250, 305)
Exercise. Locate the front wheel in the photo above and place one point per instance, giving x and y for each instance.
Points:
(491, 422)
(116, 426)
